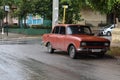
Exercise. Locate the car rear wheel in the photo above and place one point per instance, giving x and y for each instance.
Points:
(109, 34)
(49, 48)
(72, 52)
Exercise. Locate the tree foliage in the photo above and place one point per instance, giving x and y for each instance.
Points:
(73, 10)
(104, 6)
(109, 7)
(44, 8)
(24, 7)
(1, 10)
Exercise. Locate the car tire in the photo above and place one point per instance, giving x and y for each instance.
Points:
(72, 52)
(109, 34)
(49, 48)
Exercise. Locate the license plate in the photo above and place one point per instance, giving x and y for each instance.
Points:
(96, 50)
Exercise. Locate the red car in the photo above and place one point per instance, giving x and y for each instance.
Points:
(75, 39)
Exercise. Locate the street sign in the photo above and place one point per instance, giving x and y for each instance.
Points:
(7, 8)
(65, 6)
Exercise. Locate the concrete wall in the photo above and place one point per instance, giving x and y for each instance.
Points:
(116, 37)
(92, 17)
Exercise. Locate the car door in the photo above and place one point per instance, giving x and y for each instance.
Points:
(61, 38)
(54, 37)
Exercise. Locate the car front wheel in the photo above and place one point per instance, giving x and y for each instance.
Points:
(49, 48)
(72, 52)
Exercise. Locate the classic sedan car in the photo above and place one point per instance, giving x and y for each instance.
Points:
(75, 39)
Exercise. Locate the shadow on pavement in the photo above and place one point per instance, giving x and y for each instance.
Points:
(86, 56)
(94, 57)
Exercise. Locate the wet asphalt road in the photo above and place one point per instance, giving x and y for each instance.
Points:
(28, 60)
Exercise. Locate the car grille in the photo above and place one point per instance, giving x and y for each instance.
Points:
(95, 43)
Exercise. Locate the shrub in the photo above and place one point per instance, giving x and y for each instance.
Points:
(11, 26)
(27, 26)
(40, 27)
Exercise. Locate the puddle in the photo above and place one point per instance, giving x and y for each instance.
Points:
(15, 68)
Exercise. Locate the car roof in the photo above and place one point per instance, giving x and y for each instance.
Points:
(110, 25)
(65, 25)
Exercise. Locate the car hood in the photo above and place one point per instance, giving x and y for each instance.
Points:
(89, 38)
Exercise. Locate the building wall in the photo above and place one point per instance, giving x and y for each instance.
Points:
(92, 17)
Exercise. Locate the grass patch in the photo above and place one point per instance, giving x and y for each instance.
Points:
(115, 51)
(116, 35)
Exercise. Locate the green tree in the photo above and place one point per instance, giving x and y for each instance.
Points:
(1, 13)
(1, 10)
(24, 7)
(44, 8)
(10, 3)
(105, 6)
(73, 10)
(40, 7)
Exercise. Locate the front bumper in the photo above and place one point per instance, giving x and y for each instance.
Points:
(93, 50)
(43, 43)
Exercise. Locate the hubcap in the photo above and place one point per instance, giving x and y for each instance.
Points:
(109, 34)
(49, 48)
(72, 51)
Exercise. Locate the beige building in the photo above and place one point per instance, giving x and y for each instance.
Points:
(92, 18)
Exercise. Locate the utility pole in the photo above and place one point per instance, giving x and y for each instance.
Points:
(55, 13)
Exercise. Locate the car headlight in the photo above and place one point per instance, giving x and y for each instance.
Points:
(83, 43)
(106, 44)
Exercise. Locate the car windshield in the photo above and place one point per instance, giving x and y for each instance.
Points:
(108, 26)
(78, 30)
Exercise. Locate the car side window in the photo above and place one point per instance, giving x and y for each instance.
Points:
(62, 30)
(69, 31)
(56, 30)
(111, 27)
(87, 30)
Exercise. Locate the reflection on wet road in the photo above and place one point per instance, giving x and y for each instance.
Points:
(32, 62)
(14, 69)
(19, 41)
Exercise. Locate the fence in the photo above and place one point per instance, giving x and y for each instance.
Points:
(29, 31)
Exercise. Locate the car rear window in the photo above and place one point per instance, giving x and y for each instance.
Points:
(56, 30)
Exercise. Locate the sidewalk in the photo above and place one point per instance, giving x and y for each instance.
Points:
(17, 36)
(22, 36)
